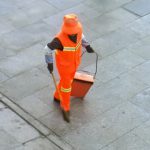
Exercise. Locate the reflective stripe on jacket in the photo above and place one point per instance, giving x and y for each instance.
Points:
(71, 51)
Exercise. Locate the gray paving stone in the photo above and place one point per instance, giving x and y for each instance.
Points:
(129, 85)
(141, 27)
(4, 19)
(19, 18)
(55, 122)
(142, 100)
(83, 112)
(64, 4)
(143, 132)
(26, 116)
(109, 95)
(60, 142)
(141, 72)
(3, 77)
(20, 4)
(2, 105)
(115, 41)
(99, 6)
(31, 34)
(39, 9)
(23, 61)
(105, 6)
(98, 23)
(146, 18)
(5, 28)
(55, 21)
(19, 148)
(128, 142)
(7, 142)
(87, 59)
(141, 48)
(38, 144)
(113, 65)
(34, 106)
(16, 127)
(107, 127)
(39, 30)
(90, 34)
(139, 7)
(110, 21)
(4, 53)
(80, 115)
(1, 96)
(6, 7)
(46, 95)
(36, 12)
(21, 86)
(84, 13)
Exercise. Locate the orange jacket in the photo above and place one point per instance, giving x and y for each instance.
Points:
(70, 56)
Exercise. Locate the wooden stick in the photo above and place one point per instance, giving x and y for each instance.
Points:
(56, 86)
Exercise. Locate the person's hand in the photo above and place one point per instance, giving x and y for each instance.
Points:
(89, 49)
(50, 67)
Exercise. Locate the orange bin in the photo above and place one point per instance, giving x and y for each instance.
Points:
(81, 84)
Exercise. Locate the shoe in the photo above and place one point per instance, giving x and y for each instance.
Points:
(66, 115)
(56, 100)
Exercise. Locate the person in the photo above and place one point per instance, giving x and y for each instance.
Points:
(67, 45)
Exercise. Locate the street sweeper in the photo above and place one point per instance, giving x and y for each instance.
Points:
(67, 45)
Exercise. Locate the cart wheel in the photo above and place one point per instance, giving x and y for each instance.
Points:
(82, 98)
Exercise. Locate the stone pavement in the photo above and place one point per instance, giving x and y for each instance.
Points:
(114, 115)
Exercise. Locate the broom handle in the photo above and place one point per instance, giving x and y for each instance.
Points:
(56, 86)
(96, 64)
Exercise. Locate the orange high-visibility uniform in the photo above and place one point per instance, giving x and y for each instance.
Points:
(67, 62)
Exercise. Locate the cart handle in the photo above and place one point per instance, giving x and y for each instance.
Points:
(95, 62)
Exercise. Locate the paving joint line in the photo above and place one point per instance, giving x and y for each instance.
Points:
(123, 135)
(141, 138)
(8, 103)
(124, 72)
(130, 11)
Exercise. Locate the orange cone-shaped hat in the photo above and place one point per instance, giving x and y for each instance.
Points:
(71, 24)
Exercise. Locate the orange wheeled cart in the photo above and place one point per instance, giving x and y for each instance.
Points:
(82, 82)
